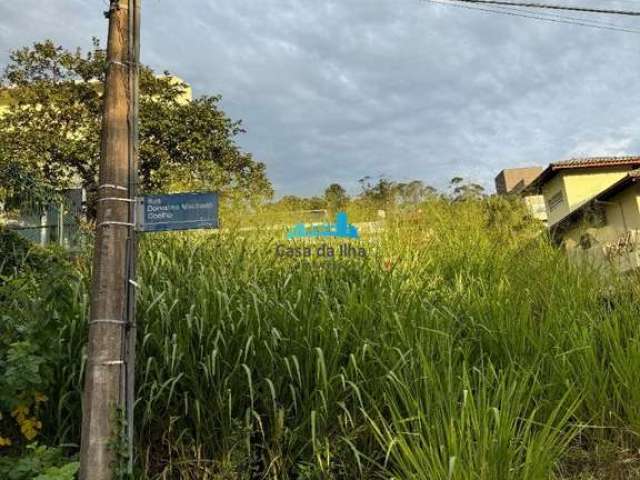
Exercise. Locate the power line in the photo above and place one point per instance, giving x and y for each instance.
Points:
(579, 20)
(560, 19)
(554, 7)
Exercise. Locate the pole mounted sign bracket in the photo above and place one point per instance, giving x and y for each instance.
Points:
(177, 211)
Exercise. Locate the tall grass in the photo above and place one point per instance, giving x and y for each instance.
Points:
(464, 346)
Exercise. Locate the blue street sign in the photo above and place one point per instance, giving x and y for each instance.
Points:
(178, 211)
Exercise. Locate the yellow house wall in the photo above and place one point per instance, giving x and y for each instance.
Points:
(549, 189)
(615, 242)
(623, 210)
(577, 187)
(581, 186)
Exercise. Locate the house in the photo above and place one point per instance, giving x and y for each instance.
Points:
(593, 208)
(516, 181)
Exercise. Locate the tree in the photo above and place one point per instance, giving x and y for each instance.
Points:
(336, 197)
(461, 190)
(290, 203)
(413, 192)
(20, 187)
(51, 128)
(381, 193)
(293, 203)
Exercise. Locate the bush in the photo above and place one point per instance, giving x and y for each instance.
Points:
(35, 285)
(20, 255)
(38, 463)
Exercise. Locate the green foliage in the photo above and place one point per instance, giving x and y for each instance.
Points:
(191, 145)
(51, 132)
(23, 186)
(387, 194)
(336, 197)
(382, 193)
(24, 374)
(118, 445)
(461, 190)
(414, 192)
(464, 346)
(20, 255)
(292, 203)
(493, 430)
(66, 472)
(38, 463)
(34, 312)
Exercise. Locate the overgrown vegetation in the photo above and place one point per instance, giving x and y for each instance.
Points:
(41, 280)
(464, 346)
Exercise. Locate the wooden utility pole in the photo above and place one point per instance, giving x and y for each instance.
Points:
(109, 372)
(132, 250)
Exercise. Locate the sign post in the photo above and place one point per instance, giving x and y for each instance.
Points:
(178, 211)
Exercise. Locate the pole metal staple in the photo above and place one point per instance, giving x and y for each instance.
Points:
(111, 185)
(108, 363)
(122, 64)
(117, 199)
(108, 320)
(119, 224)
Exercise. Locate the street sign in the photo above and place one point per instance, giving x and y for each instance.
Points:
(178, 211)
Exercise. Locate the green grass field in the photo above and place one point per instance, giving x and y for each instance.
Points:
(463, 347)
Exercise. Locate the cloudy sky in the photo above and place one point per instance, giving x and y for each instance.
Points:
(334, 90)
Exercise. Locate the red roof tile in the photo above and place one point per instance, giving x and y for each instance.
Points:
(591, 162)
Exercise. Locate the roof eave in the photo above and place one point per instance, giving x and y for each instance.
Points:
(604, 195)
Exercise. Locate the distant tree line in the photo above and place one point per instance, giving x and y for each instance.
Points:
(381, 193)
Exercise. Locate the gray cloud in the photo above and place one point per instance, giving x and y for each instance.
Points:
(339, 89)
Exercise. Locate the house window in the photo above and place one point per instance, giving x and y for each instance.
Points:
(555, 201)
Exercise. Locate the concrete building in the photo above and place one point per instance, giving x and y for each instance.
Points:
(516, 181)
(593, 207)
